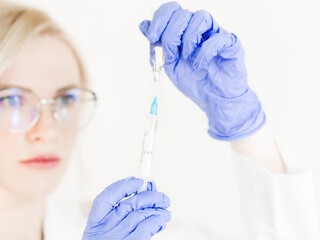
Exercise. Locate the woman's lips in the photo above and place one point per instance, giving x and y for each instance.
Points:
(42, 162)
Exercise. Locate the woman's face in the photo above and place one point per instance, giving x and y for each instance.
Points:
(45, 65)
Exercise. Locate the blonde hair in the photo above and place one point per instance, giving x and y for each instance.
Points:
(19, 23)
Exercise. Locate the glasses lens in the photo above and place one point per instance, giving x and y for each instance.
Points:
(75, 107)
(19, 109)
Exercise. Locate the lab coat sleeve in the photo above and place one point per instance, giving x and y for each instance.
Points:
(277, 206)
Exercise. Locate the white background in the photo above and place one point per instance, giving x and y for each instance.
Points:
(281, 40)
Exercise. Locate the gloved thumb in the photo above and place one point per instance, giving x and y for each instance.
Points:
(152, 186)
(144, 27)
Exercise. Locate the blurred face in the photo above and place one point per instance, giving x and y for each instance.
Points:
(45, 65)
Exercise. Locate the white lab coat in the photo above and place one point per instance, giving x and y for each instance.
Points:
(278, 206)
(273, 206)
(64, 220)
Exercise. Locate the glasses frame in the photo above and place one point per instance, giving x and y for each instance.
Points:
(52, 102)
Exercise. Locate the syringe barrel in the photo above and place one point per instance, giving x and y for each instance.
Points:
(147, 149)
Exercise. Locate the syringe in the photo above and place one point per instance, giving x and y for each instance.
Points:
(151, 124)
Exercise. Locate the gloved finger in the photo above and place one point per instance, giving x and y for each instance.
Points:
(104, 203)
(235, 51)
(147, 199)
(130, 222)
(171, 37)
(200, 24)
(211, 48)
(149, 227)
(143, 200)
(160, 20)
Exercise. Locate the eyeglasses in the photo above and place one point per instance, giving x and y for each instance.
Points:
(20, 108)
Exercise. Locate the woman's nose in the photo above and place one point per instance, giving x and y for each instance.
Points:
(46, 129)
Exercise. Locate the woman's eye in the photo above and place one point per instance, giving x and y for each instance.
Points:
(12, 101)
(67, 99)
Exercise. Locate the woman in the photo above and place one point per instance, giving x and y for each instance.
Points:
(44, 100)
(206, 63)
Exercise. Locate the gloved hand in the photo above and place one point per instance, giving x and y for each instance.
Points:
(206, 63)
(136, 218)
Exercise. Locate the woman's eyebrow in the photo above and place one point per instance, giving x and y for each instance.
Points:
(63, 89)
(5, 85)
(59, 91)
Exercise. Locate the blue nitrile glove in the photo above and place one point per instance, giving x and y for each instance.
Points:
(135, 218)
(206, 63)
